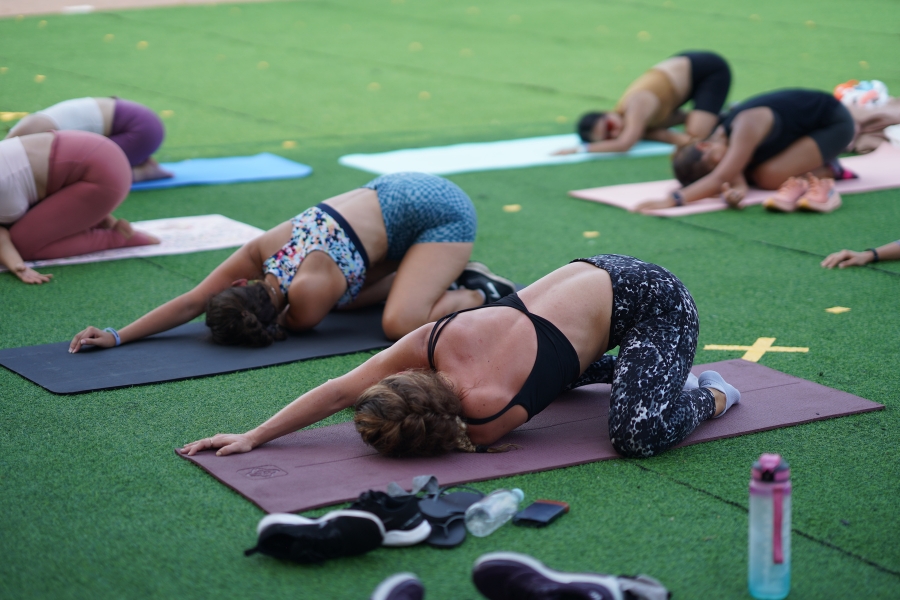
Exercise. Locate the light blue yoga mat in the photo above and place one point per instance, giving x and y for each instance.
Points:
(489, 156)
(234, 169)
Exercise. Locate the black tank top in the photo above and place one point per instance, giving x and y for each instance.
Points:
(796, 113)
(556, 364)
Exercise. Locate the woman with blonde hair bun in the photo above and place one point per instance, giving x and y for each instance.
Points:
(466, 380)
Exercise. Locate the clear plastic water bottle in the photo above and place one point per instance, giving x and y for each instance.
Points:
(487, 515)
(770, 528)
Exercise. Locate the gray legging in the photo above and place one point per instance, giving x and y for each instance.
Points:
(655, 325)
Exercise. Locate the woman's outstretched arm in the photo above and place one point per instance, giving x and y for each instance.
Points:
(849, 258)
(332, 396)
(634, 124)
(180, 310)
(12, 260)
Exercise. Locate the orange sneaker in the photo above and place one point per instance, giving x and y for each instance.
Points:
(821, 196)
(785, 199)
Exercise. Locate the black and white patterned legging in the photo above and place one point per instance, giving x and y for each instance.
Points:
(655, 325)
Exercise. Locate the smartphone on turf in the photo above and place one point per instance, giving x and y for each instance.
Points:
(540, 513)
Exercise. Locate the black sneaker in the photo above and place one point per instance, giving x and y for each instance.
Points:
(476, 276)
(402, 586)
(404, 525)
(509, 576)
(338, 533)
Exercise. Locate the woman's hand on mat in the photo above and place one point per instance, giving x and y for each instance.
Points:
(647, 205)
(733, 195)
(564, 151)
(29, 275)
(92, 337)
(847, 258)
(227, 443)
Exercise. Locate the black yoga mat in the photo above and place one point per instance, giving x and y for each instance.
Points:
(186, 352)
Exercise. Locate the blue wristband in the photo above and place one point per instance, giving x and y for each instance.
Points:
(679, 199)
(115, 335)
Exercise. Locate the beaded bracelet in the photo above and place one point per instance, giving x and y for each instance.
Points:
(115, 335)
(875, 254)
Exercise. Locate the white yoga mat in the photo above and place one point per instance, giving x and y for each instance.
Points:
(179, 235)
(488, 156)
(877, 170)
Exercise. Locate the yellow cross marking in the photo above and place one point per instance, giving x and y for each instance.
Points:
(755, 352)
(12, 116)
(836, 310)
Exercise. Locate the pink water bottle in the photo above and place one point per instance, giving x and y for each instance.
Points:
(770, 528)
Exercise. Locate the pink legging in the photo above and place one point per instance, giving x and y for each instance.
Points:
(89, 177)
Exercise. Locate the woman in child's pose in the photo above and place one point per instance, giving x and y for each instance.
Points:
(653, 103)
(133, 127)
(403, 239)
(787, 140)
(57, 194)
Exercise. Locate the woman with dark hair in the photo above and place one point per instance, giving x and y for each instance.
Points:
(787, 140)
(465, 381)
(133, 127)
(403, 239)
(57, 194)
(652, 104)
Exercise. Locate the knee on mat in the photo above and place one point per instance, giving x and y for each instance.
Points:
(628, 445)
(397, 323)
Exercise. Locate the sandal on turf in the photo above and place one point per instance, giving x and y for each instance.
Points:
(449, 532)
(440, 504)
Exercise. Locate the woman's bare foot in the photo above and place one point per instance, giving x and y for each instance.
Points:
(123, 227)
(142, 238)
(148, 171)
(108, 222)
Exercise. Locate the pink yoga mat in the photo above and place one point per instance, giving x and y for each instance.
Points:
(877, 171)
(328, 465)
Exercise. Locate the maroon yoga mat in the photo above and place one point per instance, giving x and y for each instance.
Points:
(328, 465)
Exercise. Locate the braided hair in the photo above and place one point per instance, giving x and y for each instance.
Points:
(243, 316)
(414, 413)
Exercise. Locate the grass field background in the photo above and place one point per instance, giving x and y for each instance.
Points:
(93, 503)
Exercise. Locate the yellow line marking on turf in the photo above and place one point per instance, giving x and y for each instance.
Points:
(512, 208)
(836, 310)
(12, 116)
(755, 352)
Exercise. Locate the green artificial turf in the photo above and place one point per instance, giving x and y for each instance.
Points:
(95, 504)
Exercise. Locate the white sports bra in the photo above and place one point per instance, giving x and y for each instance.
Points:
(82, 114)
(17, 189)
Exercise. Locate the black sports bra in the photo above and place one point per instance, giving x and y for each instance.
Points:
(556, 364)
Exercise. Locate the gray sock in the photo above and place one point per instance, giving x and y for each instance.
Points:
(692, 383)
(711, 379)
